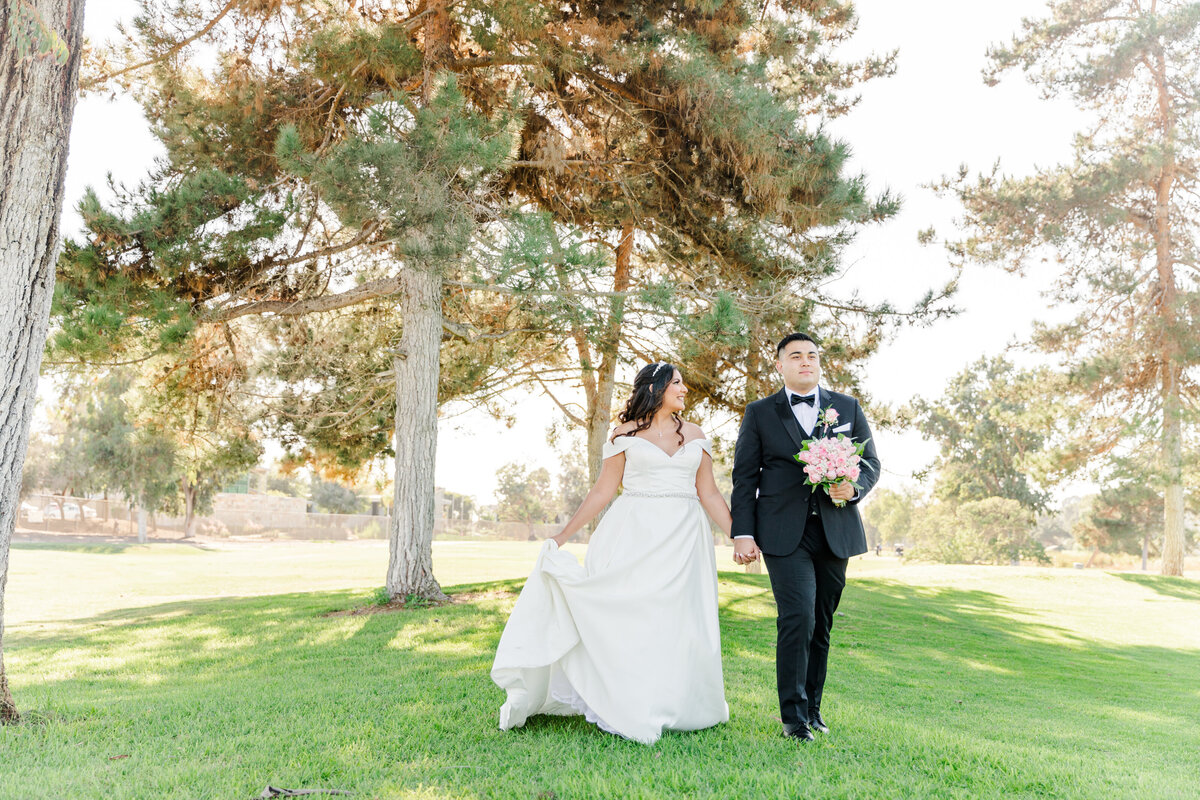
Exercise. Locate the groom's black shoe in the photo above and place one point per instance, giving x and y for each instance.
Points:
(799, 730)
(816, 723)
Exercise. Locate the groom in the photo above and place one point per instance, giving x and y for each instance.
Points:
(804, 538)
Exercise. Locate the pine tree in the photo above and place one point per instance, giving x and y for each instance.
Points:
(334, 162)
(1122, 219)
(990, 430)
(678, 136)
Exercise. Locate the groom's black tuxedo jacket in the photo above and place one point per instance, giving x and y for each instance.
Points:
(770, 498)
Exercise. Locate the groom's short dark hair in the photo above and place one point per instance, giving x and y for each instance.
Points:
(794, 337)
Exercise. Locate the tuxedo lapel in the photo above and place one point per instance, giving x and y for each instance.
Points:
(784, 410)
(831, 401)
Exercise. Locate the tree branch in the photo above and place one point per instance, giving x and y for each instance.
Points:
(569, 415)
(470, 335)
(173, 49)
(296, 308)
(491, 287)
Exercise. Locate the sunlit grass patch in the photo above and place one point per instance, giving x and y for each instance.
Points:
(999, 683)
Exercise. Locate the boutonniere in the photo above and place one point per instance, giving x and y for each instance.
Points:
(828, 417)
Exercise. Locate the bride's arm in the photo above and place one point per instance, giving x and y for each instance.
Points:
(611, 471)
(710, 496)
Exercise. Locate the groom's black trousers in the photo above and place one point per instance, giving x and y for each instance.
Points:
(807, 584)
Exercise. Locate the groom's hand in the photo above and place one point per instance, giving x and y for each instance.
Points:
(745, 551)
(842, 491)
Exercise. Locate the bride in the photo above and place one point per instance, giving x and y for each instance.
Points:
(630, 638)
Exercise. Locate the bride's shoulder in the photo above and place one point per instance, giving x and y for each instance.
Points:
(622, 429)
(617, 441)
(692, 431)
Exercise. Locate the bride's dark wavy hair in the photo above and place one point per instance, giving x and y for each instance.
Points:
(647, 398)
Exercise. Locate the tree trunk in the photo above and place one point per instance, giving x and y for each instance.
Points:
(1145, 551)
(1169, 334)
(141, 522)
(754, 364)
(189, 508)
(1172, 436)
(600, 415)
(754, 368)
(37, 100)
(1172, 552)
(410, 567)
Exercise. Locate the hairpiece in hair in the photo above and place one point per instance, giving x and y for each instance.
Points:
(657, 367)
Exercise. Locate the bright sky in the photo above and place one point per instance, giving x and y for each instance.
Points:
(932, 116)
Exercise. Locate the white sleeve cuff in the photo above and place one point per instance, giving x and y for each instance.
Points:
(743, 536)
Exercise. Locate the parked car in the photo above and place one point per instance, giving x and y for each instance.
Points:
(52, 511)
(29, 511)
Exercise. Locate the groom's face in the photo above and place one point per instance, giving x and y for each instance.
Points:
(800, 365)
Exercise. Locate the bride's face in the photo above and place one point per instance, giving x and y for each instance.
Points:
(674, 393)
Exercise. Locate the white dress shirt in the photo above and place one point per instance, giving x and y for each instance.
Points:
(807, 415)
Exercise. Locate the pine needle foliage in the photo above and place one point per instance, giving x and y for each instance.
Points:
(1120, 220)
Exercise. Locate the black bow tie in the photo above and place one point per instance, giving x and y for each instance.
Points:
(797, 399)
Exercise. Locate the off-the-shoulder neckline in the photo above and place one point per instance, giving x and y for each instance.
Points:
(659, 449)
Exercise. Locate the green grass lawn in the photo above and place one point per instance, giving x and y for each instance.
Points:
(944, 682)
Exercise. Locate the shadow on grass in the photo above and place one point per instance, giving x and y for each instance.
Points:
(90, 545)
(1169, 585)
(919, 677)
(93, 547)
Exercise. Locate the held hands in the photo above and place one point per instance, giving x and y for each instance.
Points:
(745, 551)
(842, 491)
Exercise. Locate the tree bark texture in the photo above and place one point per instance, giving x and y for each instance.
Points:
(190, 491)
(37, 100)
(1171, 368)
(600, 413)
(416, 366)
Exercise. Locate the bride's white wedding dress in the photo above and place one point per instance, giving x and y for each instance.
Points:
(629, 639)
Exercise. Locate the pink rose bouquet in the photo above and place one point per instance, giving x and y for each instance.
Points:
(828, 462)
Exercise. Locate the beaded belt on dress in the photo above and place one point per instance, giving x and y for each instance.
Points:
(680, 495)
